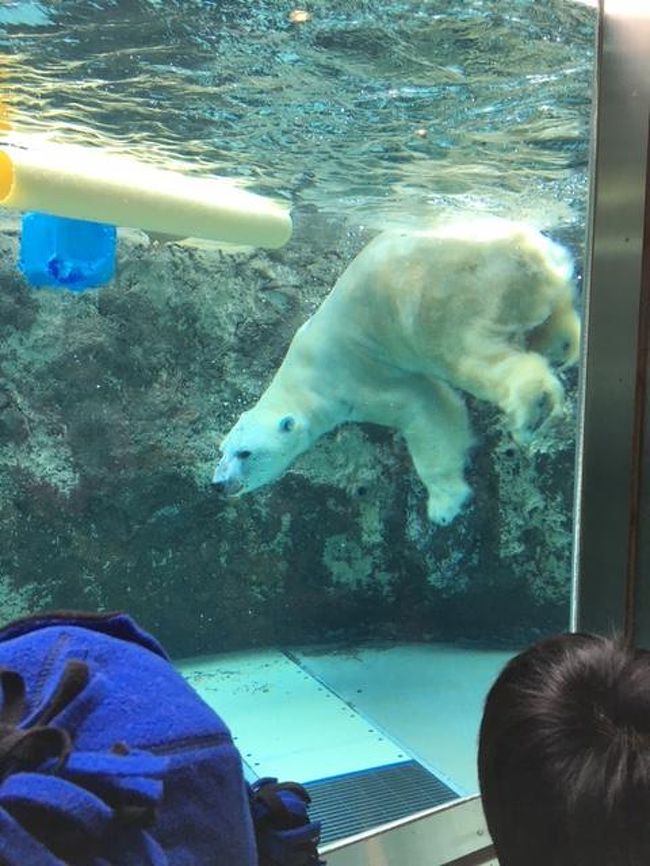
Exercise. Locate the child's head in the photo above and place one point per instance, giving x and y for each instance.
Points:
(564, 755)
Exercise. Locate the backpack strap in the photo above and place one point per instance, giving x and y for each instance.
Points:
(97, 795)
(285, 835)
(18, 847)
(29, 747)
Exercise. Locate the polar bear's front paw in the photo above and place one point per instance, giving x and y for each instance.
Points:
(532, 404)
(446, 501)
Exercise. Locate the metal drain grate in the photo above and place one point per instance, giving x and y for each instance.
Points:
(354, 802)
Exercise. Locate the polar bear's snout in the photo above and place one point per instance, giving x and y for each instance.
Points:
(228, 476)
(259, 448)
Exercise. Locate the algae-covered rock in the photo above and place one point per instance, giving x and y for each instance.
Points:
(112, 405)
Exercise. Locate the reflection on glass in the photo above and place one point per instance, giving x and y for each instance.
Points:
(339, 600)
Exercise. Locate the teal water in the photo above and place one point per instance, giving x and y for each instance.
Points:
(112, 403)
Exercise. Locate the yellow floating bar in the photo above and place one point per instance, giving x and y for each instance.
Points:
(89, 184)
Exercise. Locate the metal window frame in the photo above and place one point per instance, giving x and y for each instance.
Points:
(609, 453)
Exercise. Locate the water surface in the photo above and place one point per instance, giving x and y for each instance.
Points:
(369, 110)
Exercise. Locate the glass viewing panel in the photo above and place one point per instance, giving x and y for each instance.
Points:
(347, 638)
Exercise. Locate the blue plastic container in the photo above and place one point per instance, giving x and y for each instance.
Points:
(61, 253)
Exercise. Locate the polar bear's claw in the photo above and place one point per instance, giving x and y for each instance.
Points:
(543, 408)
(537, 411)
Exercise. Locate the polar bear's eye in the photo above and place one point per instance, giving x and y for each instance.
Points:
(287, 423)
(242, 455)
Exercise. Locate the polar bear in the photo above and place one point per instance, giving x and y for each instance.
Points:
(483, 307)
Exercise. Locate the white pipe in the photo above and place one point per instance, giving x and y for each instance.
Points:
(89, 184)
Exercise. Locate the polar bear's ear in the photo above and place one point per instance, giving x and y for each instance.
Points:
(286, 424)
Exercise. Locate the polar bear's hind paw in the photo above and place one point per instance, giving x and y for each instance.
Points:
(446, 502)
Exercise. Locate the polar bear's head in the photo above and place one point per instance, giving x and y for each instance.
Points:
(259, 448)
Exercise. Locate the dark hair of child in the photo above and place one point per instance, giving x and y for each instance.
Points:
(564, 755)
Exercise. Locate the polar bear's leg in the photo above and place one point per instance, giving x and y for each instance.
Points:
(522, 384)
(437, 432)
